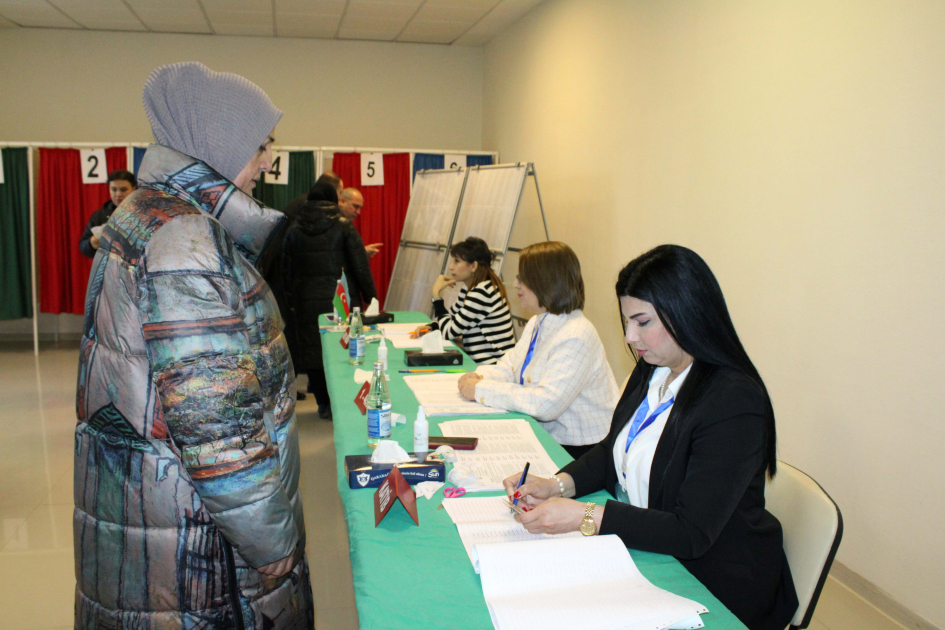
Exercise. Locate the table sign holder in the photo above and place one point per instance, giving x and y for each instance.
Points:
(362, 396)
(395, 487)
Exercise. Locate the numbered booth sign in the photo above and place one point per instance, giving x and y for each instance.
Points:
(454, 161)
(94, 167)
(279, 171)
(372, 169)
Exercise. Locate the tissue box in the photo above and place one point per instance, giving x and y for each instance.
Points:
(381, 318)
(449, 356)
(362, 473)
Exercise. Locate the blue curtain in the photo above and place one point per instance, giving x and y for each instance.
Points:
(478, 160)
(424, 161)
(138, 156)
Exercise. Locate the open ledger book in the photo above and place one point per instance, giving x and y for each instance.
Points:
(564, 581)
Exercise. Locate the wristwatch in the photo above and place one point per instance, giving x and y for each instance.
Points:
(588, 528)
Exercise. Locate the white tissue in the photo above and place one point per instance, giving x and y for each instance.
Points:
(428, 488)
(462, 477)
(446, 453)
(363, 376)
(390, 452)
(432, 342)
(397, 418)
(374, 308)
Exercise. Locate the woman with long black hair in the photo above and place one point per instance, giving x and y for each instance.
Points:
(690, 443)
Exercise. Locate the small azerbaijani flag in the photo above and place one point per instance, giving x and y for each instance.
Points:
(340, 302)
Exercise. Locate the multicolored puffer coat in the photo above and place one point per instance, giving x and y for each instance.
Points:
(186, 449)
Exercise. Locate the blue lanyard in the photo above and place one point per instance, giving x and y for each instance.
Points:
(639, 424)
(531, 351)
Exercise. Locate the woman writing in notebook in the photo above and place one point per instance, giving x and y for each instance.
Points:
(557, 372)
(481, 315)
(692, 438)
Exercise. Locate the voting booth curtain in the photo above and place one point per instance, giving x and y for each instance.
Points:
(426, 161)
(137, 157)
(15, 283)
(63, 208)
(301, 179)
(385, 208)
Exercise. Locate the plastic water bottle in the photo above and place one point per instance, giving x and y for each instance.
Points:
(378, 407)
(421, 432)
(356, 339)
(382, 351)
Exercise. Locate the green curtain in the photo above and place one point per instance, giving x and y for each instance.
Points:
(16, 299)
(301, 179)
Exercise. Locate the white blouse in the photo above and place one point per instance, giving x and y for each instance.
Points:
(633, 465)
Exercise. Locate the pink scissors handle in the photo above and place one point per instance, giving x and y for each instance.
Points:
(453, 493)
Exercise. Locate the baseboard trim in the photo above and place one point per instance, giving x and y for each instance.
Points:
(879, 598)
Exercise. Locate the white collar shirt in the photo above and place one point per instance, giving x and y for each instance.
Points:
(633, 465)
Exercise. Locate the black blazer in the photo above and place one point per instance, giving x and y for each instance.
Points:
(706, 497)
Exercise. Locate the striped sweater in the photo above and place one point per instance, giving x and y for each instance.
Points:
(482, 318)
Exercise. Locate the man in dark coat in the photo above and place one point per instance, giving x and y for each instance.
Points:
(120, 185)
(320, 244)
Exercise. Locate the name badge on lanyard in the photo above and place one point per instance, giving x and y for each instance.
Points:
(639, 424)
(531, 351)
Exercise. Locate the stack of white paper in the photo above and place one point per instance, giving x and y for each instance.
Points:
(504, 447)
(439, 395)
(399, 335)
(587, 582)
(485, 520)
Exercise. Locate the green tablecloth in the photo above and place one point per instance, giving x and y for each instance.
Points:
(413, 577)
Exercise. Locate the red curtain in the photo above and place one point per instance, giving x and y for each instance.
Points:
(63, 208)
(385, 208)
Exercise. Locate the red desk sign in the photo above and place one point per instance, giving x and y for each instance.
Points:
(344, 340)
(362, 395)
(393, 488)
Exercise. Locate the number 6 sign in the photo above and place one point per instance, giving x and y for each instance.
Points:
(372, 169)
(94, 168)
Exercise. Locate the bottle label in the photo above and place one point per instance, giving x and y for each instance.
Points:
(361, 347)
(356, 347)
(378, 423)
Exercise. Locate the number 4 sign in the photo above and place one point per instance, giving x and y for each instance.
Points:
(372, 169)
(279, 171)
(94, 167)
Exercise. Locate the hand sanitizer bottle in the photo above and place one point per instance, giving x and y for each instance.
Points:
(382, 351)
(421, 433)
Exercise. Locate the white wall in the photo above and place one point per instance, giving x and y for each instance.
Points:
(76, 86)
(798, 147)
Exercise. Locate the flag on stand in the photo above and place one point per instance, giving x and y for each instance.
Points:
(340, 302)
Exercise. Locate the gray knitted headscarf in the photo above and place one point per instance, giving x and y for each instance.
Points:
(218, 117)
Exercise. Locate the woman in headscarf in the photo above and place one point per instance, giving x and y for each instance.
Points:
(188, 511)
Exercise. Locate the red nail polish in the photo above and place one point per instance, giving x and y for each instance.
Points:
(518, 495)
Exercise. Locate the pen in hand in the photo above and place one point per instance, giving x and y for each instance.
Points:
(521, 481)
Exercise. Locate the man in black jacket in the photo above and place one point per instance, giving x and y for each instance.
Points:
(120, 185)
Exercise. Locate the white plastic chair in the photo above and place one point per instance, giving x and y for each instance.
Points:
(812, 527)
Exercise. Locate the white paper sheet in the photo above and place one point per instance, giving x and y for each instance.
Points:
(487, 520)
(563, 583)
(504, 447)
(439, 395)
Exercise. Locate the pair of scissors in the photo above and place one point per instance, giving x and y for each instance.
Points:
(453, 493)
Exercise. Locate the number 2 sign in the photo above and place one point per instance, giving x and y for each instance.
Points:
(94, 167)
(279, 171)
(372, 169)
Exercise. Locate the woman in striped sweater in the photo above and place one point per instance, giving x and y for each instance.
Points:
(481, 315)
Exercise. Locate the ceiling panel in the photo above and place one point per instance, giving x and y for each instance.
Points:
(37, 14)
(105, 15)
(307, 25)
(504, 15)
(462, 22)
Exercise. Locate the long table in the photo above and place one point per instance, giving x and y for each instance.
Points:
(415, 578)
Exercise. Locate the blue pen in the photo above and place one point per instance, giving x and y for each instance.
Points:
(521, 481)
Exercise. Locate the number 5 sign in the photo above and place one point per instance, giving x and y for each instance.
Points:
(372, 169)
(94, 168)
(279, 171)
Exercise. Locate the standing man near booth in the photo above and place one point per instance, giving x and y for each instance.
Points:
(120, 185)
(351, 202)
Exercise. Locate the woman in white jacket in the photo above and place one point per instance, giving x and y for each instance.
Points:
(557, 372)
